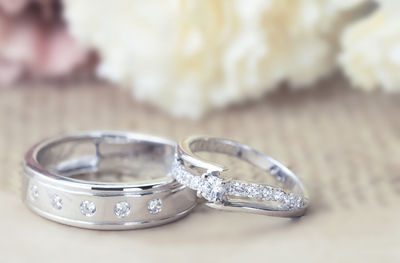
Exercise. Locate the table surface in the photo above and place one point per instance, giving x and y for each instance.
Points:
(343, 143)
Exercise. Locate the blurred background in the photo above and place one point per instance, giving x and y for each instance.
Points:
(313, 83)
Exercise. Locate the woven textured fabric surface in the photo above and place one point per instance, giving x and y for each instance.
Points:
(344, 144)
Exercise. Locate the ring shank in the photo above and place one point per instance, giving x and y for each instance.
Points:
(71, 155)
(249, 199)
(243, 152)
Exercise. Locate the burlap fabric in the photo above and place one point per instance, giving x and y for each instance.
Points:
(343, 143)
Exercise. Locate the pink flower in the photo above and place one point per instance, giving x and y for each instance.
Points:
(37, 44)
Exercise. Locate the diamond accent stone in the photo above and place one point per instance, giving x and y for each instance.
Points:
(179, 173)
(212, 188)
(186, 179)
(240, 189)
(195, 182)
(88, 208)
(33, 192)
(237, 188)
(278, 195)
(254, 191)
(122, 209)
(267, 193)
(155, 206)
(56, 202)
(300, 202)
(293, 201)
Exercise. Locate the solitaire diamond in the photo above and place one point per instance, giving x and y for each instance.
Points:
(155, 206)
(56, 202)
(33, 192)
(122, 209)
(88, 208)
(212, 188)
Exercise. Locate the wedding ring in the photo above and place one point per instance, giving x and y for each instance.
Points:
(52, 187)
(287, 199)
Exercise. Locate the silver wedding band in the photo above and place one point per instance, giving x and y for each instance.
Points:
(50, 189)
(287, 199)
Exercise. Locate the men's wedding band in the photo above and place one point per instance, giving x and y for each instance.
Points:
(51, 190)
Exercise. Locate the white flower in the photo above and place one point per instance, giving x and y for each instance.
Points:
(188, 56)
(371, 49)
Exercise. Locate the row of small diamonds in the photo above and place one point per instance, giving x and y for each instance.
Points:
(180, 174)
(240, 189)
(88, 208)
(266, 193)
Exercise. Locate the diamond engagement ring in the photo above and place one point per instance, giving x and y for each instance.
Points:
(288, 199)
(52, 186)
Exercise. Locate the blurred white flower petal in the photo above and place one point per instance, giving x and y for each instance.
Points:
(371, 49)
(189, 56)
